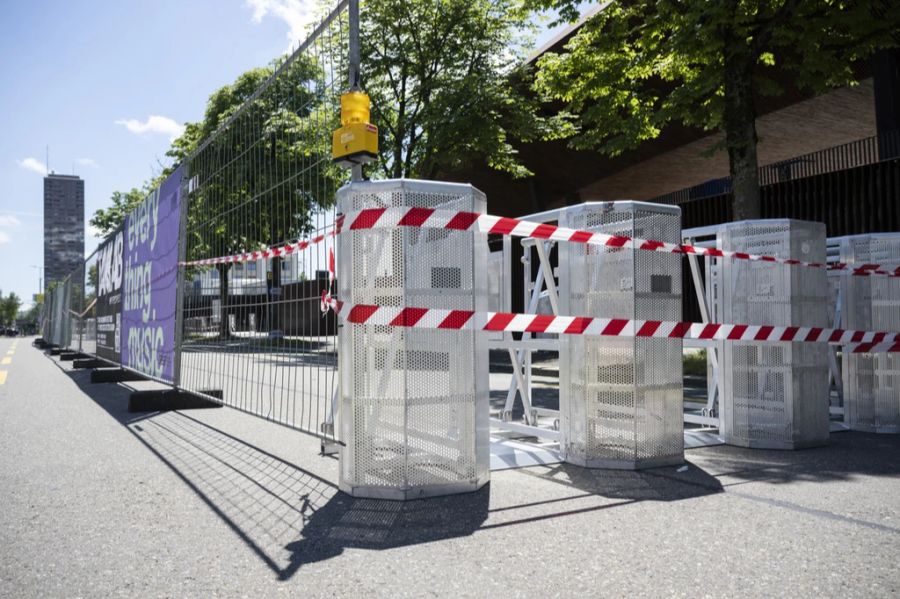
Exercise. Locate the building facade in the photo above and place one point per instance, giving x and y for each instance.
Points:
(63, 226)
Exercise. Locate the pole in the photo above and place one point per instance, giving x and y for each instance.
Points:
(356, 173)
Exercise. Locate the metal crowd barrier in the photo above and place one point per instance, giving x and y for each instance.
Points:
(247, 332)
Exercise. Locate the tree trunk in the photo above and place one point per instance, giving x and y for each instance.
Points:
(740, 129)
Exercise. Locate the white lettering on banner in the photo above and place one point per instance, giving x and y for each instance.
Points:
(109, 265)
(143, 222)
(144, 344)
(138, 280)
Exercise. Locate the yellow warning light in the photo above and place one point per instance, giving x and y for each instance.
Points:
(356, 142)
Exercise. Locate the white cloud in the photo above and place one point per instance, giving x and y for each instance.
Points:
(153, 124)
(4, 238)
(8, 220)
(297, 14)
(88, 162)
(34, 165)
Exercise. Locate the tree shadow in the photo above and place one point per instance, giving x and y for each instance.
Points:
(847, 455)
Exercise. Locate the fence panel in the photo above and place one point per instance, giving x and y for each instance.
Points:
(252, 333)
(89, 309)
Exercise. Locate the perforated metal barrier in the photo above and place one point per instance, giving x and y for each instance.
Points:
(871, 381)
(414, 402)
(774, 395)
(621, 399)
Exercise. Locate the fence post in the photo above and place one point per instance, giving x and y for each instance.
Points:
(186, 187)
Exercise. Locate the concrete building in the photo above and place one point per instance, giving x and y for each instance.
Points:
(63, 226)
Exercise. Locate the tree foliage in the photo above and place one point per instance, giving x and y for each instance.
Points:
(9, 309)
(260, 178)
(107, 220)
(33, 314)
(638, 65)
(446, 90)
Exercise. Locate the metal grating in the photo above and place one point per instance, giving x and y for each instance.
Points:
(621, 399)
(414, 403)
(871, 381)
(774, 395)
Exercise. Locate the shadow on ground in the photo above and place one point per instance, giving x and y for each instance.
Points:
(289, 516)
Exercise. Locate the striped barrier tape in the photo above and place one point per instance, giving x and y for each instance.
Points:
(433, 318)
(269, 252)
(372, 218)
(389, 218)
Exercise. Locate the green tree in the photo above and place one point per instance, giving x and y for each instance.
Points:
(261, 161)
(107, 220)
(9, 309)
(640, 64)
(445, 86)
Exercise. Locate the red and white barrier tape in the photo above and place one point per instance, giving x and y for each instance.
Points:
(432, 318)
(269, 252)
(389, 218)
(327, 300)
(372, 218)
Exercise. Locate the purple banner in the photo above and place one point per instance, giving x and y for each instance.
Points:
(151, 281)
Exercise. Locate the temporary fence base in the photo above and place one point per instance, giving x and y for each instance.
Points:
(171, 399)
(55, 351)
(115, 375)
(71, 356)
(86, 363)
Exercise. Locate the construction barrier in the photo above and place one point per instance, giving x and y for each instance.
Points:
(871, 381)
(414, 401)
(216, 283)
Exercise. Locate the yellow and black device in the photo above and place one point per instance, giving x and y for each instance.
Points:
(356, 142)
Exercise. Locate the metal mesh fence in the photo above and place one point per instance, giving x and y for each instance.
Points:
(251, 328)
(88, 311)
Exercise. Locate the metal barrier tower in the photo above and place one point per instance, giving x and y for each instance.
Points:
(871, 381)
(621, 399)
(774, 395)
(414, 402)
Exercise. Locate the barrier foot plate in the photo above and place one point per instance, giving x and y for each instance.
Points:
(171, 399)
(114, 375)
(89, 363)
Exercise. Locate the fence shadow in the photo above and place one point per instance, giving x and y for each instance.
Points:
(287, 515)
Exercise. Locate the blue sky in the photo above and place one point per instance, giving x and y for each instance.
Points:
(106, 84)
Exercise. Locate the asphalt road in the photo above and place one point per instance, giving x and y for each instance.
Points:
(96, 502)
